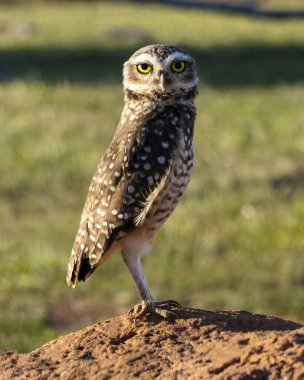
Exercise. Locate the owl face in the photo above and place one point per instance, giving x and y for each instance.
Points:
(160, 69)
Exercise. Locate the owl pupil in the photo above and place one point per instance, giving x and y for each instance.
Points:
(144, 66)
(178, 65)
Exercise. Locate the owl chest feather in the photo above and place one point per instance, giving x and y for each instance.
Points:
(174, 185)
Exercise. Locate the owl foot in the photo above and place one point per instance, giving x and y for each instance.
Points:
(169, 303)
(162, 309)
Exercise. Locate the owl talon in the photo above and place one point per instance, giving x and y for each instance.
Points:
(162, 308)
(136, 309)
(165, 313)
(169, 303)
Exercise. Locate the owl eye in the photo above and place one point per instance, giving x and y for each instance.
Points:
(178, 67)
(144, 68)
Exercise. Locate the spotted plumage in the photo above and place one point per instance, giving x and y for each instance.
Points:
(144, 171)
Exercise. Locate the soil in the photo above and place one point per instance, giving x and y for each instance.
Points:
(198, 344)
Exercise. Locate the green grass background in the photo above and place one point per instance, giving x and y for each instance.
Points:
(235, 242)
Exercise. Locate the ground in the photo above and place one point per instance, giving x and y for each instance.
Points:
(198, 344)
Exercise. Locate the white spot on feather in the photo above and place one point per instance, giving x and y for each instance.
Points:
(161, 159)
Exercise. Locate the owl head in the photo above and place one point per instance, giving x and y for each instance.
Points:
(160, 70)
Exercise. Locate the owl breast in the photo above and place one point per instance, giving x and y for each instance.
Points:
(174, 185)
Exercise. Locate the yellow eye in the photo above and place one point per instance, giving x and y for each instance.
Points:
(144, 68)
(178, 67)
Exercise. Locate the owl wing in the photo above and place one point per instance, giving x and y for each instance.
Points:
(133, 166)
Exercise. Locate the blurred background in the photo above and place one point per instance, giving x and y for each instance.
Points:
(235, 242)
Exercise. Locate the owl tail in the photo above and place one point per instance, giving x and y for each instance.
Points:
(80, 265)
(79, 269)
(86, 254)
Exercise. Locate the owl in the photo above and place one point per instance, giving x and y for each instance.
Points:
(144, 171)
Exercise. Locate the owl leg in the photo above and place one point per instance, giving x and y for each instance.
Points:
(148, 305)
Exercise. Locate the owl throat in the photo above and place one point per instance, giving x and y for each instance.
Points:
(154, 97)
(141, 106)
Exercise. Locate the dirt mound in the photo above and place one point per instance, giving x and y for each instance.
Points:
(197, 345)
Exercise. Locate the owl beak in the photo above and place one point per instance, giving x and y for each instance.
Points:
(162, 81)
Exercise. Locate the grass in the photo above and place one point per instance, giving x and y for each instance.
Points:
(235, 242)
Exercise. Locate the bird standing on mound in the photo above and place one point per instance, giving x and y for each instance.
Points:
(144, 171)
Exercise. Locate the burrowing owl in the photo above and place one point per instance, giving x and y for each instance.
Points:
(144, 171)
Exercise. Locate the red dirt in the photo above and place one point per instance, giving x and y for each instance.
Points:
(198, 344)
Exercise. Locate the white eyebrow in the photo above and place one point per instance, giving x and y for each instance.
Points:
(144, 57)
(177, 56)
